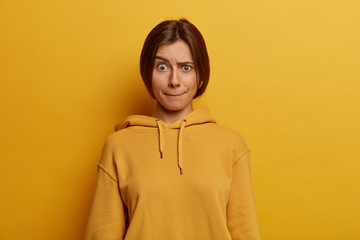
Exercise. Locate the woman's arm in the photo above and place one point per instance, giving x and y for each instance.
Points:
(107, 219)
(241, 215)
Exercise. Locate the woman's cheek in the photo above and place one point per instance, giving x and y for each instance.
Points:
(190, 81)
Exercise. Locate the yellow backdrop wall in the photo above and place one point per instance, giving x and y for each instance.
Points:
(284, 73)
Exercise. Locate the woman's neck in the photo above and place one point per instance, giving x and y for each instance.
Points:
(170, 116)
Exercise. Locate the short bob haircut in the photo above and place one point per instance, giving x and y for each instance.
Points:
(170, 31)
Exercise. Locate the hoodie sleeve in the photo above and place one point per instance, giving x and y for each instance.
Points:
(107, 219)
(241, 215)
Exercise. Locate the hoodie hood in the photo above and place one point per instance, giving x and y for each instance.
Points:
(198, 116)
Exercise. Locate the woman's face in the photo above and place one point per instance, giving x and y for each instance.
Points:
(174, 79)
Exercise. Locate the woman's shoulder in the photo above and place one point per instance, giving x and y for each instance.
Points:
(228, 139)
(228, 132)
(231, 136)
(117, 137)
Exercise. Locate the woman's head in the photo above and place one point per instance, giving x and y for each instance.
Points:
(168, 32)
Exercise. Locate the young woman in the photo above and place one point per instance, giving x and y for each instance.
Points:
(176, 175)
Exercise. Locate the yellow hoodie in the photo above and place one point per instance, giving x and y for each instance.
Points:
(186, 181)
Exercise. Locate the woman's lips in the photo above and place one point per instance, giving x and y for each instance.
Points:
(174, 95)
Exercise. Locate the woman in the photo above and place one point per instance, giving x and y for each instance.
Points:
(176, 175)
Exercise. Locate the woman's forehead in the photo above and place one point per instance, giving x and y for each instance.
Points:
(179, 51)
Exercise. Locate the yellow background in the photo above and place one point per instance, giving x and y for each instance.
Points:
(283, 73)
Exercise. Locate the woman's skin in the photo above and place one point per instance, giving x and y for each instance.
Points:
(174, 81)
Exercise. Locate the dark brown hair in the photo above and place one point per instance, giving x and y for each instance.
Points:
(170, 31)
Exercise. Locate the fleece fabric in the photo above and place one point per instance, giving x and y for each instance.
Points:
(186, 181)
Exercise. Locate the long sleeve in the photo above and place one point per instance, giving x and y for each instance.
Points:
(107, 219)
(241, 215)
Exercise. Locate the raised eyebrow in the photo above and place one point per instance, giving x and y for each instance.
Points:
(161, 58)
(179, 63)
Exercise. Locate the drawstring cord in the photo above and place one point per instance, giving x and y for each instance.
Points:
(180, 142)
(161, 136)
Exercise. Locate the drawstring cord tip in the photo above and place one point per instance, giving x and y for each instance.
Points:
(161, 155)
(181, 172)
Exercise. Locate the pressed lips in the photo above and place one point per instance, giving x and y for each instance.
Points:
(174, 95)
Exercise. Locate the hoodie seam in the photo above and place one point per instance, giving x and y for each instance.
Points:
(241, 157)
(100, 166)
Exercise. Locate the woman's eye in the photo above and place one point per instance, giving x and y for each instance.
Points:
(187, 68)
(162, 67)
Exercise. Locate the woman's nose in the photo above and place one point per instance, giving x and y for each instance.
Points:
(174, 79)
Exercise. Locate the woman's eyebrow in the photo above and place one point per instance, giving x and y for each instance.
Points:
(165, 60)
(161, 58)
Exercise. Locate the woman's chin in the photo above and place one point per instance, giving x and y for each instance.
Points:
(176, 107)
